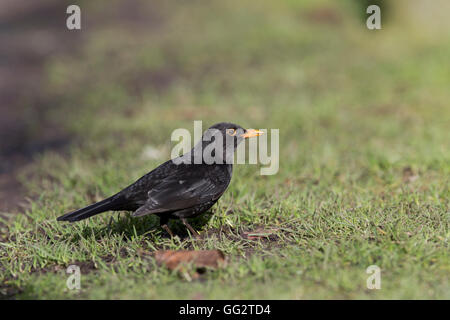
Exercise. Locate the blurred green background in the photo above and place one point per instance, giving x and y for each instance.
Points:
(363, 115)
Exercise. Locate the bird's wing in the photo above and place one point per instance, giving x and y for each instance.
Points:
(186, 187)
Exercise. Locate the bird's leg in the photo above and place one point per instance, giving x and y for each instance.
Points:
(193, 231)
(166, 227)
(163, 223)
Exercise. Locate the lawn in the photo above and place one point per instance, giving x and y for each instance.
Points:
(364, 161)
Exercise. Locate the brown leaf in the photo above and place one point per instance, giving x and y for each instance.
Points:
(200, 258)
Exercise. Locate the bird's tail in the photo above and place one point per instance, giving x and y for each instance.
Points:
(91, 210)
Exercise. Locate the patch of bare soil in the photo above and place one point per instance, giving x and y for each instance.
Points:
(31, 33)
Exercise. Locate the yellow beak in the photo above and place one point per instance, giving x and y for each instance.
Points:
(252, 133)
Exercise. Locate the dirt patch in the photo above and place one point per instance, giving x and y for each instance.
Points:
(8, 292)
(31, 34)
(323, 15)
(85, 267)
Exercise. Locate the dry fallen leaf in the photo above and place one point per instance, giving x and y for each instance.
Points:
(199, 258)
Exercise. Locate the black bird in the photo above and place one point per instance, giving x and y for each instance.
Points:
(182, 187)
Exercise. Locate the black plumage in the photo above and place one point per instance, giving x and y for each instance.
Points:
(179, 188)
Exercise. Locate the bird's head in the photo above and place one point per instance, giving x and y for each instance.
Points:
(225, 136)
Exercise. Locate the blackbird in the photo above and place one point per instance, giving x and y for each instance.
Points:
(183, 187)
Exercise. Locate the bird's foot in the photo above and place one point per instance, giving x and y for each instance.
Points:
(194, 232)
(166, 227)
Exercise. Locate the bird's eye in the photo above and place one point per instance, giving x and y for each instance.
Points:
(231, 132)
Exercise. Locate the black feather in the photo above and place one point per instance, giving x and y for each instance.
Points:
(91, 210)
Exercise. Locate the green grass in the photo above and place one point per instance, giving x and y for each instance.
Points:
(364, 155)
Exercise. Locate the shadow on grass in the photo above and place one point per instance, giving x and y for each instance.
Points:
(127, 226)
